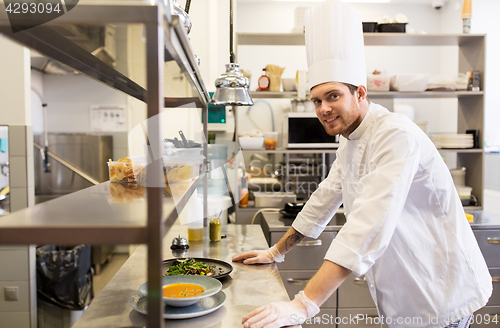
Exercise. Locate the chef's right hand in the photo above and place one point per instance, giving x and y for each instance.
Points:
(265, 256)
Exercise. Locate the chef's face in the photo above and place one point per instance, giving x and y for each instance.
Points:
(337, 108)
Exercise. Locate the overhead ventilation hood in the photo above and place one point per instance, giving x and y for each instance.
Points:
(100, 41)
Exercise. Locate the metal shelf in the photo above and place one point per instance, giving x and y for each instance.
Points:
(371, 39)
(378, 95)
(94, 215)
(51, 44)
(461, 151)
(88, 216)
(290, 151)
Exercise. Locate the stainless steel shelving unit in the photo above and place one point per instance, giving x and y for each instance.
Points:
(90, 216)
(471, 56)
(376, 95)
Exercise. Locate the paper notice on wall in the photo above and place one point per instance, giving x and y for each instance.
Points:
(108, 119)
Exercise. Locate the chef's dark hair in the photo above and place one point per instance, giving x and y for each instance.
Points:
(351, 87)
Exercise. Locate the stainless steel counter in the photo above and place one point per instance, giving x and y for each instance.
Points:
(274, 222)
(246, 288)
(485, 220)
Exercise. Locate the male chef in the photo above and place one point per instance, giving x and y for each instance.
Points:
(405, 229)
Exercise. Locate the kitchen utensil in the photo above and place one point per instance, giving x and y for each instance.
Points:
(288, 214)
(185, 143)
(210, 286)
(179, 242)
(221, 269)
(138, 302)
(294, 207)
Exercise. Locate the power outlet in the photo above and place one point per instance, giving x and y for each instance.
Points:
(11, 293)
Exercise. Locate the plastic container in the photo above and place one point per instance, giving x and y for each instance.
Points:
(465, 193)
(378, 82)
(458, 176)
(392, 27)
(181, 167)
(127, 193)
(128, 170)
(409, 82)
(370, 27)
(195, 218)
(271, 140)
(251, 142)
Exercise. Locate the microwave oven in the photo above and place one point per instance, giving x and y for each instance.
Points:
(304, 130)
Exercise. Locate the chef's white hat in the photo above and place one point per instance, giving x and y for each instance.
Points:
(334, 44)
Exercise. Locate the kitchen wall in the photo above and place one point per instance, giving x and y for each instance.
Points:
(262, 17)
(17, 269)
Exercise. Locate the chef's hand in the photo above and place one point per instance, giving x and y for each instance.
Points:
(268, 256)
(282, 313)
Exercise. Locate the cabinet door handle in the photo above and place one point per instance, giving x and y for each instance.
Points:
(493, 240)
(495, 279)
(297, 281)
(360, 280)
(310, 243)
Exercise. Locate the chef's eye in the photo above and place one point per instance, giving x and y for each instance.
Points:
(334, 96)
(317, 102)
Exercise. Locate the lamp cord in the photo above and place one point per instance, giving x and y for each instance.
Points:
(231, 53)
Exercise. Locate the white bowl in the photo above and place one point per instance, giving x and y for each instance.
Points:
(251, 142)
(289, 85)
(210, 285)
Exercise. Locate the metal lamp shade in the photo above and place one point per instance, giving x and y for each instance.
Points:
(232, 88)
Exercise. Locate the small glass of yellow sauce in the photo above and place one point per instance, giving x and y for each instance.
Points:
(181, 290)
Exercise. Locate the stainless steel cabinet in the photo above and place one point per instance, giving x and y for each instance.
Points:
(296, 280)
(489, 243)
(487, 317)
(354, 293)
(308, 254)
(359, 318)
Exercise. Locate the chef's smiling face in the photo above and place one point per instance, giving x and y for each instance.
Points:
(337, 108)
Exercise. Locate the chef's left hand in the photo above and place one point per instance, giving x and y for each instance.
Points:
(278, 314)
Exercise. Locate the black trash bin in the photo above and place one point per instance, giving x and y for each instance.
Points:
(64, 275)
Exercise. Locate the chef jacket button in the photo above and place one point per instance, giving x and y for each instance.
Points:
(372, 285)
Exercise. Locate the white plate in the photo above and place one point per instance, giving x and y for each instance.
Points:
(210, 285)
(138, 302)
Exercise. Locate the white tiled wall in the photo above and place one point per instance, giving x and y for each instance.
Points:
(14, 319)
(17, 264)
(17, 269)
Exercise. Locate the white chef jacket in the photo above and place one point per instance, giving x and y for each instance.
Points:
(405, 228)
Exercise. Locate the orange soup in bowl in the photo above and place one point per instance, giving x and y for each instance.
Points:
(182, 290)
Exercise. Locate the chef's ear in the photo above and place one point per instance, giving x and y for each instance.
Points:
(361, 93)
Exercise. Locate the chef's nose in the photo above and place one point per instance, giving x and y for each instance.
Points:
(325, 108)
